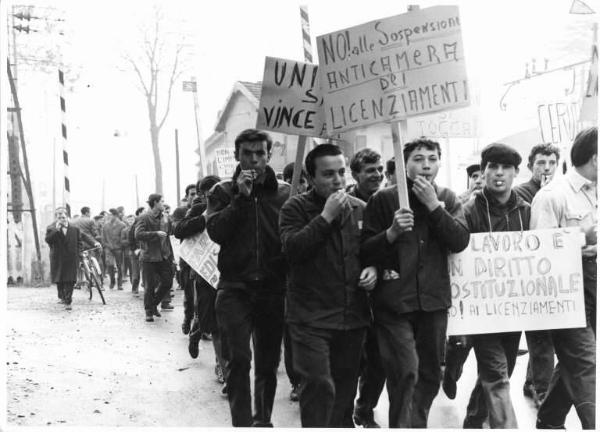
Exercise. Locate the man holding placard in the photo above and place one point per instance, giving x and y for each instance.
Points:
(410, 247)
(572, 200)
(327, 307)
(495, 208)
(243, 218)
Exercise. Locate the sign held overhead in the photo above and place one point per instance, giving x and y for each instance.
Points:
(392, 69)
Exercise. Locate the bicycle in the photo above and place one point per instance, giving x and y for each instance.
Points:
(91, 270)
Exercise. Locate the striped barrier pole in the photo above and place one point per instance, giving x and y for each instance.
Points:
(63, 119)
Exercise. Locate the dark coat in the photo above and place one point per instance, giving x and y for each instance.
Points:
(154, 248)
(528, 190)
(419, 257)
(64, 252)
(323, 289)
(514, 215)
(247, 229)
(112, 234)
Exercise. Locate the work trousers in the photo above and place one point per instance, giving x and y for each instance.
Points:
(573, 382)
(327, 362)
(161, 272)
(496, 355)
(411, 347)
(126, 263)
(115, 261)
(253, 312)
(288, 356)
(135, 271)
(65, 291)
(541, 360)
(371, 378)
(187, 283)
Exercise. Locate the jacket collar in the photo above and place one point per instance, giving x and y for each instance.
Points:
(577, 181)
(270, 184)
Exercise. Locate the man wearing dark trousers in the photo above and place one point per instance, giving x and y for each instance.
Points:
(288, 356)
(410, 247)
(495, 208)
(572, 200)
(242, 217)
(112, 239)
(367, 170)
(66, 243)
(542, 162)
(156, 256)
(134, 254)
(327, 305)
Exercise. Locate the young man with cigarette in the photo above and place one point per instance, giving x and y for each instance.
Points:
(410, 248)
(327, 309)
(243, 218)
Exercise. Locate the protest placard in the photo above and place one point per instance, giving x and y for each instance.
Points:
(460, 123)
(514, 281)
(393, 68)
(290, 100)
(225, 162)
(202, 254)
(175, 244)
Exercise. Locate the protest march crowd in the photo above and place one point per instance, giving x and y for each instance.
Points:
(355, 287)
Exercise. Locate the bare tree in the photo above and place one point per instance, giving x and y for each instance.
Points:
(158, 65)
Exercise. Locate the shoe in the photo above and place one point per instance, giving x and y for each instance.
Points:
(120, 288)
(167, 306)
(60, 301)
(112, 285)
(521, 352)
(294, 397)
(540, 425)
(193, 348)
(260, 424)
(185, 327)
(149, 316)
(206, 337)
(135, 292)
(224, 390)
(155, 312)
(68, 307)
(366, 420)
(449, 386)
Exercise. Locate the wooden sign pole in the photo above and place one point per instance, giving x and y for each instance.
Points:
(398, 131)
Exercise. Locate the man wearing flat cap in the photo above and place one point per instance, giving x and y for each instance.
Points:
(156, 256)
(495, 208)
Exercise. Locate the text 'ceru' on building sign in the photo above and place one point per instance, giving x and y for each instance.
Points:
(393, 68)
(515, 281)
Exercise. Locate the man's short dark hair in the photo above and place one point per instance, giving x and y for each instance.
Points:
(416, 144)
(473, 168)
(139, 211)
(113, 212)
(585, 146)
(153, 199)
(252, 135)
(207, 182)
(500, 153)
(363, 157)
(188, 187)
(390, 166)
(543, 149)
(288, 172)
(85, 210)
(319, 151)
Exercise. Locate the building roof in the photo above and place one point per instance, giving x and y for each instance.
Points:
(255, 88)
(249, 90)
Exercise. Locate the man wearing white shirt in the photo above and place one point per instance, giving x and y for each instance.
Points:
(572, 200)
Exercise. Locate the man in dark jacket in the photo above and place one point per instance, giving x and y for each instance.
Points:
(243, 218)
(410, 247)
(542, 162)
(327, 305)
(112, 239)
(156, 256)
(66, 242)
(367, 170)
(134, 253)
(495, 208)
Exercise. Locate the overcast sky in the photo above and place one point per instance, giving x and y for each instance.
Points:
(228, 41)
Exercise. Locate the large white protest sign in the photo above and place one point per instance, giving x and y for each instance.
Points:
(513, 281)
(290, 100)
(202, 254)
(393, 68)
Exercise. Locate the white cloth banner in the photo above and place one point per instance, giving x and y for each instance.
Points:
(513, 281)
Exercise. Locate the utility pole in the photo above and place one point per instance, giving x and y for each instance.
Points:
(177, 166)
(137, 194)
(192, 86)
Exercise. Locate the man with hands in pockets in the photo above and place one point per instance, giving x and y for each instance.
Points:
(327, 307)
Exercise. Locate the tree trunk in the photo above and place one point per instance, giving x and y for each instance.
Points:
(158, 184)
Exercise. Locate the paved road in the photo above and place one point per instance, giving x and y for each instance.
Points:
(105, 366)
